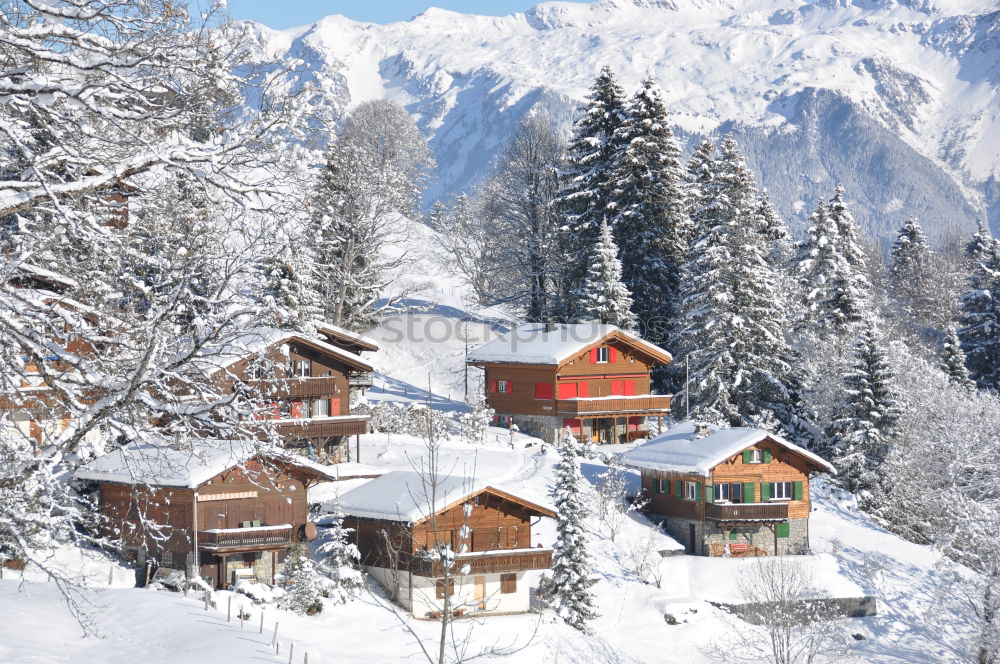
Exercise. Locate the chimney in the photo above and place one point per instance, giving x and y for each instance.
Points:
(701, 430)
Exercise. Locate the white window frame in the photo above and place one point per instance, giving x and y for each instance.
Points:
(728, 486)
(502, 386)
(603, 355)
(318, 405)
(787, 489)
(301, 368)
(756, 456)
(690, 490)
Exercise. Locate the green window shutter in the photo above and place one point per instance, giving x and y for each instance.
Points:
(709, 493)
(782, 530)
(680, 489)
(748, 492)
(767, 456)
(746, 456)
(697, 492)
(765, 491)
(798, 491)
(732, 535)
(656, 485)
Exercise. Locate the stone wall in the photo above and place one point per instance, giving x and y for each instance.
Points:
(709, 538)
(822, 608)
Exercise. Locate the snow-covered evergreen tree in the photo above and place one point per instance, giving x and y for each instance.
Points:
(648, 211)
(835, 294)
(339, 556)
(979, 320)
(289, 288)
(586, 182)
(953, 359)
(604, 297)
(978, 246)
(568, 590)
(733, 328)
(303, 590)
(862, 436)
(910, 269)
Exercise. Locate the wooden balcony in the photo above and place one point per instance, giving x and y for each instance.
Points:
(245, 539)
(322, 427)
(617, 405)
(363, 379)
(488, 562)
(297, 387)
(746, 512)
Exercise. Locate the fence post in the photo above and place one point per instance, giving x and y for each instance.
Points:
(274, 639)
(261, 622)
(291, 651)
(229, 609)
(241, 616)
(206, 600)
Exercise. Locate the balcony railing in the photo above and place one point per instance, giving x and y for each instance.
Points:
(322, 427)
(647, 403)
(746, 512)
(364, 379)
(297, 387)
(221, 539)
(488, 562)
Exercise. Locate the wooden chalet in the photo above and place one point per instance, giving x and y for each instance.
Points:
(310, 381)
(222, 509)
(396, 526)
(731, 491)
(590, 378)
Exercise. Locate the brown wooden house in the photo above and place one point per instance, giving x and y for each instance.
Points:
(396, 526)
(735, 491)
(309, 381)
(590, 378)
(225, 508)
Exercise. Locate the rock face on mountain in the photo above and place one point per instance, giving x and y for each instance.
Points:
(897, 99)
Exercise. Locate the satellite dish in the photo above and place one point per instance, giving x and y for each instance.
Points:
(311, 531)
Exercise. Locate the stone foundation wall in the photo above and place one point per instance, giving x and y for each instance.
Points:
(709, 538)
(546, 427)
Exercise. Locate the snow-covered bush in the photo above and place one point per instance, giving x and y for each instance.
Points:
(339, 558)
(260, 593)
(413, 419)
(303, 587)
(473, 425)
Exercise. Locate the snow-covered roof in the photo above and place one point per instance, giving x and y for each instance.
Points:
(343, 333)
(679, 450)
(536, 343)
(164, 462)
(402, 496)
(257, 340)
(47, 276)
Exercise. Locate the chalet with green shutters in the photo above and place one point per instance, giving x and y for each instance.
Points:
(730, 491)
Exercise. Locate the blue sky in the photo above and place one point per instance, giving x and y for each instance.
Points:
(280, 14)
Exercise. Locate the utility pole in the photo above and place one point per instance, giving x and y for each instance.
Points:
(465, 333)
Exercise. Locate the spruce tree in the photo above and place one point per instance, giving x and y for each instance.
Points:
(604, 297)
(978, 246)
(302, 587)
(290, 289)
(585, 182)
(340, 556)
(860, 438)
(734, 318)
(648, 209)
(953, 359)
(979, 320)
(910, 270)
(568, 590)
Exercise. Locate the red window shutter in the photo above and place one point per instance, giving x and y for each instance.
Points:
(593, 356)
(335, 406)
(572, 424)
(582, 389)
(543, 390)
(567, 390)
(296, 409)
(616, 387)
(493, 387)
(510, 387)
(630, 388)
(635, 420)
(611, 354)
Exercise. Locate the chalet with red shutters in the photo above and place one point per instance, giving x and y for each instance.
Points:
(309, 379)
(590, 378)
(735, 491)
(401, 526)
(223, 509)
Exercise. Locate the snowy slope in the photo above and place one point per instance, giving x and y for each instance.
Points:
(897, 99)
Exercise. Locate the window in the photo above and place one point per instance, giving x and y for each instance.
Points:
(543, 390)
(508, 583)
(753, 456)
(602, 355)
(729, 492)
(503, 386)
(302, 368)
(321, 408)
(782, 490)
(781, 530)
(439, 588)
(167, 559)
(691, 490)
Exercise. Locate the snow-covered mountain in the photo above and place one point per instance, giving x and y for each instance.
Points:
(897, 99)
